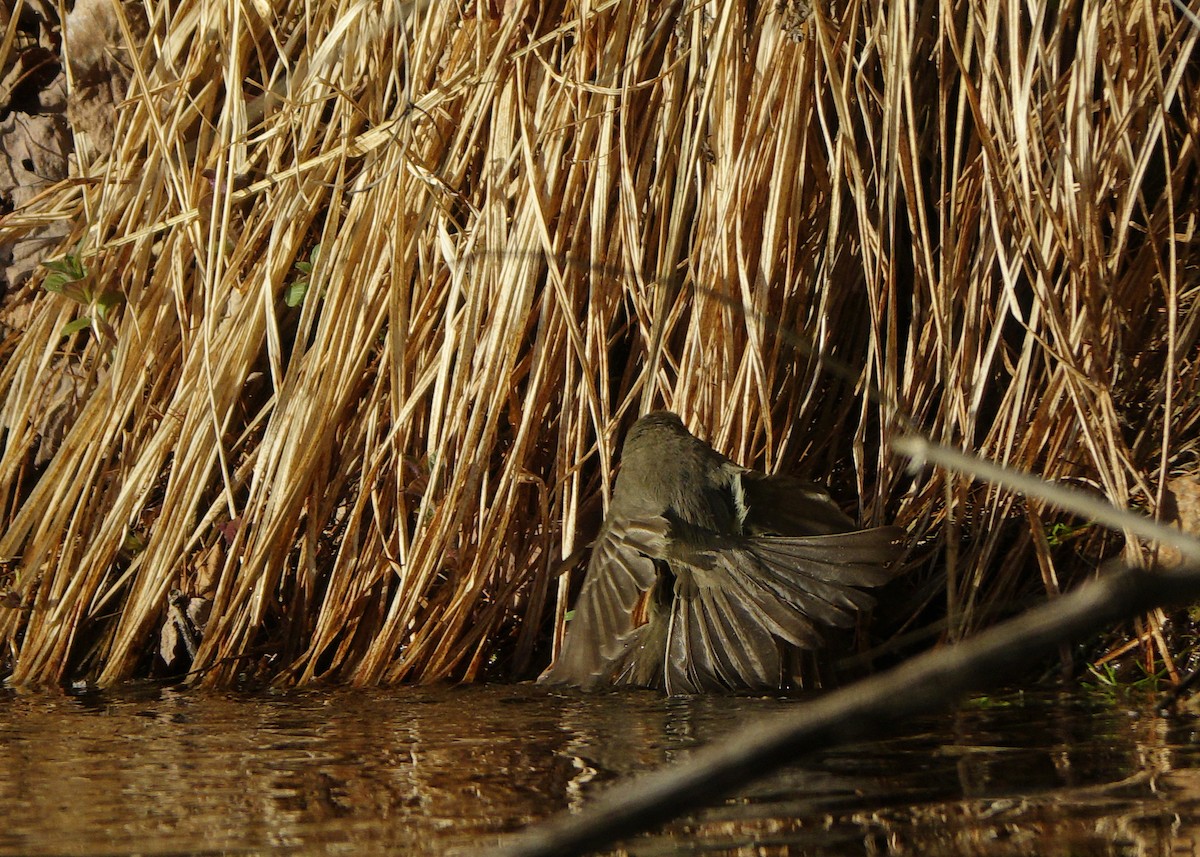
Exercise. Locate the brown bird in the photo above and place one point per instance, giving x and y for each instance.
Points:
(706, 573)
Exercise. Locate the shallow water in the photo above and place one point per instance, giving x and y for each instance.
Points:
(431, 770)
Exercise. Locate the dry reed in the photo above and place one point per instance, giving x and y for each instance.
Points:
(527, 222)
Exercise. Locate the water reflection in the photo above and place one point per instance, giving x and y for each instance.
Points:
(424, 771)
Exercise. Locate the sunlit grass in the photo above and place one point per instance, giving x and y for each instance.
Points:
(372, 459)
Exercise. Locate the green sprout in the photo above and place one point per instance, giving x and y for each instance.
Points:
(69, 277)
(293, 296)
(1059, 533)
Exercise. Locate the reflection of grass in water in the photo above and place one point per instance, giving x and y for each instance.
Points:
(530, 230)
(988, 703)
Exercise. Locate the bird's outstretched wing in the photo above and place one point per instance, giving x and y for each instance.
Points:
(610, 614)
(737, 599)
(783, 505)
(671, 605)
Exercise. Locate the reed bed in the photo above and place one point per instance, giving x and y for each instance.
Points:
(508, 227)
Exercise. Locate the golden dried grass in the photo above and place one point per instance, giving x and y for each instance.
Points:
(534, 220)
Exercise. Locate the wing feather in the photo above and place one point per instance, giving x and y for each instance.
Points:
(725, 609)
(602, 632)
(747, 596)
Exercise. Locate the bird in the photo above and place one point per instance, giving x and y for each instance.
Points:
(706, 576)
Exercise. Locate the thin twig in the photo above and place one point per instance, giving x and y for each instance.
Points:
(1080, 503)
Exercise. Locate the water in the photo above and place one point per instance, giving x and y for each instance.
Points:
(428, 771)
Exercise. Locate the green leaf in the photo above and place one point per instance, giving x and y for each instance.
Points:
(293, 296)
(77, 325)
(1059, 533)
(55, 282)
(71, 267)
(109, 299)
(134, 543)
(65, 281)
(295, 293)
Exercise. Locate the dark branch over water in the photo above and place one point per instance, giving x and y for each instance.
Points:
(867, 709)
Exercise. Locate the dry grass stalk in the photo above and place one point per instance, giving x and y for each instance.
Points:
(533, 221)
